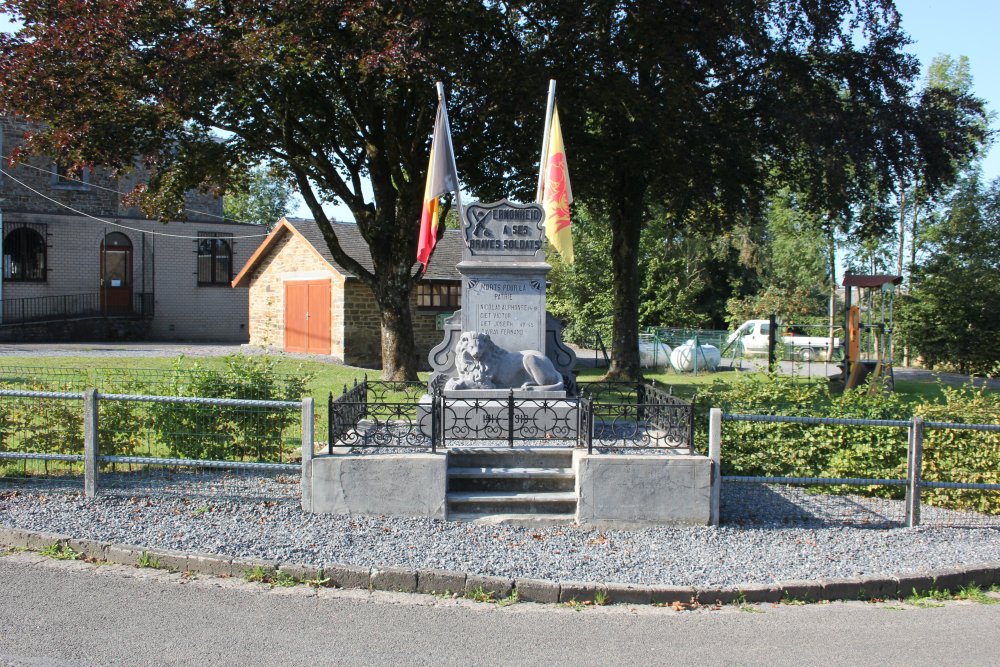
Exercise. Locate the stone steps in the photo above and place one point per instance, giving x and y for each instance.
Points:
(525, 485)
(512, 502)
(511, 479)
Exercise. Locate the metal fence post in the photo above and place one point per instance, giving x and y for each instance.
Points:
(434, 422)
(308, 428)
(715, 456)
(913, 473)
(90, 444)
(510, 419)
(442, 431)
(329, 423)
(590, 425)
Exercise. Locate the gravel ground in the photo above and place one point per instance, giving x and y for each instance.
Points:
(258, 517)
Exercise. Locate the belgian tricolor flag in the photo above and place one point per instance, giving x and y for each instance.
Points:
(442, 178)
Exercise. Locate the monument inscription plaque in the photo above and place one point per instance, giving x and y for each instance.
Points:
(504, 231)
(510, 310)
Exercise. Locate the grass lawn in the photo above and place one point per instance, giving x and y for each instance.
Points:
(326, 377)
(330, 377)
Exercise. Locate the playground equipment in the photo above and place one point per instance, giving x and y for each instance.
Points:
(869, 325)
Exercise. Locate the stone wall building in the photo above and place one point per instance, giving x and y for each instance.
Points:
(74, 254)
(301, 300)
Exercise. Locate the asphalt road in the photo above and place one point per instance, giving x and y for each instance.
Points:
(70, 613)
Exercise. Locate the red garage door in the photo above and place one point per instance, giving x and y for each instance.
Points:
(307, 316)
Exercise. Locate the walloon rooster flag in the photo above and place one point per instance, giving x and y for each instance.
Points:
(442, 178)
(555, 193)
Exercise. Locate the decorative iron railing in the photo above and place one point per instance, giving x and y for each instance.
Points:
(395, 415)
(63, 307)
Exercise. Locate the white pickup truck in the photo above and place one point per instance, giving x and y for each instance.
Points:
(753, 335)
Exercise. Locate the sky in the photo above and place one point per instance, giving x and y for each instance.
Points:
(952, 27)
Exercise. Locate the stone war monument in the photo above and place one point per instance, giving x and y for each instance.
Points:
(503, 339)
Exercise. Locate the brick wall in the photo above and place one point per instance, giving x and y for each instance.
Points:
(363, 328)
(290, 258)
(186, 310)
(92, 198)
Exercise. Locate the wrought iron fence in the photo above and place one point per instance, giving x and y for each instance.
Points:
(608, 416)
(72, 306)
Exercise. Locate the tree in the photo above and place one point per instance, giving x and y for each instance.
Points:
(695, 106)
(947, 90)
(337, 92)
(950, 315)
(792, 266)
(263, 199)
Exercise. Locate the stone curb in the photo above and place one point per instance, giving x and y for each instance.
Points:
(528, 590)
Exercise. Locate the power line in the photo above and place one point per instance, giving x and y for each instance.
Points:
(117, 192)
(109, 222)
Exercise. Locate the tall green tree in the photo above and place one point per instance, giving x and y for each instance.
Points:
(950, 316)
(793, 275)
(948, 90)
(338, 92)
(262, 199)
(695, 106)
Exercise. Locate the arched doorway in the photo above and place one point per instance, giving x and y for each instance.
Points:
(116, 274)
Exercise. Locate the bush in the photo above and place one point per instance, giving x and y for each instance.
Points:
(960, 455)
(801, 450)
(48, 425)
(228, 432)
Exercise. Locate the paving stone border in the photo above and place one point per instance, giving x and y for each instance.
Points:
(529, 590)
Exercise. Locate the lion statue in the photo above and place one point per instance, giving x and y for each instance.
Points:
(483, 365)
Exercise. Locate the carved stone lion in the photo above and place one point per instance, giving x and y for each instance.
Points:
(483, 365)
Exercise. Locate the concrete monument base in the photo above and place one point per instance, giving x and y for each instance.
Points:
(411, 485)
(636, 491)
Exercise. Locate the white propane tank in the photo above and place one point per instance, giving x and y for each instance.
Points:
(653, 354)
(682, 358)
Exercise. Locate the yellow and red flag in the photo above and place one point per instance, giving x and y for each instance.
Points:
(442, 178)
(557, 194)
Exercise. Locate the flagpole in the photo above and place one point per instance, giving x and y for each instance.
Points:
(549, 105)
(447, 125)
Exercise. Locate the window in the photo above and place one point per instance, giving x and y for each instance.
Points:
(439, 296)
(62, 179)
(215, 258)
(24, 249)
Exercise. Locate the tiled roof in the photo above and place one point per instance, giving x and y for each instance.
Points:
(447, 253)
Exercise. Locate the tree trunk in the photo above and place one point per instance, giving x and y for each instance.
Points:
(833, 294)
(902, 238)
(626, 229)
(399, 355)
(913, 261)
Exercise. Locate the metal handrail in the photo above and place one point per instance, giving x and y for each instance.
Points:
(63, 307)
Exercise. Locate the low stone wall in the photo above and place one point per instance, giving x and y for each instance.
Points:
(410, 485)
(91, 329)
(633, 491)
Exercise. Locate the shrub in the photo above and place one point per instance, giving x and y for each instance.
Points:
(961, 455)
(228, 432)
